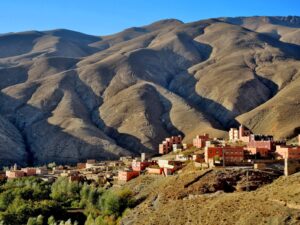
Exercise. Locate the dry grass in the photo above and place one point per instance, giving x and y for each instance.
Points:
(165, 203)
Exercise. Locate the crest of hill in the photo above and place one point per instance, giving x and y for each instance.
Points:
(73, 96)
(134, 32)
(282, 28)
(59, 42)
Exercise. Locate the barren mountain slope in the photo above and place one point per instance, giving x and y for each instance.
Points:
(280, 115)
(194, 197)
(12, 145)
(74, 96)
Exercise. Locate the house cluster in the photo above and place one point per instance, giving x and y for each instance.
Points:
(141, 165)
(242, 148)
(14, 172)
(264, 146)
(103, 173)
(243, 145)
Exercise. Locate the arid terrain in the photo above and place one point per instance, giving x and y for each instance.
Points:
(67, 96)
(198, 197)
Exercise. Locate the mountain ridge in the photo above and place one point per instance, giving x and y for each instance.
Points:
(72, 96)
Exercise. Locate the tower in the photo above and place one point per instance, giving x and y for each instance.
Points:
(15, 166)
(241, 131)
(143, 157)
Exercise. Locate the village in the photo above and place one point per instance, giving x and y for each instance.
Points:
(242, 149)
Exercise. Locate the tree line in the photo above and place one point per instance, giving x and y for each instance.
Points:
(32, 201)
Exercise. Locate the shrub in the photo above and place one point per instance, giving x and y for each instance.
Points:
(64, 191)
(115, 202)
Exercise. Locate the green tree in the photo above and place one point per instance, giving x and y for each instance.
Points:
(64, 191)
(115, 202)
(25, 198)
(6, 198)
(51, 220)
(90, 220)
(68, 222)
(93, 197)
(40, 220)
(32, 221)
(100, 221)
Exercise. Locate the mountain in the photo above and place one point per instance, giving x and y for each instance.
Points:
(67, 96)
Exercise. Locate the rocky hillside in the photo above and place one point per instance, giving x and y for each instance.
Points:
(67, 96)
(214, 197)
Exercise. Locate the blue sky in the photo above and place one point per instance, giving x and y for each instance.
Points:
(100, 17)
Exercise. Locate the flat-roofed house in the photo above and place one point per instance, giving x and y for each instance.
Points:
(139, 166)
(167, 145)
(240, 134)
(41, 171)
(154, 170)
(125, 175)
(81, 166)
(262, 152)
(12, 174)
(200, 140)
(288, 152)
(261, 141)
(229, 153)
(29, 171)
(233, 134)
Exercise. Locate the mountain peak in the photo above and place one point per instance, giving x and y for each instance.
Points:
(68, 96)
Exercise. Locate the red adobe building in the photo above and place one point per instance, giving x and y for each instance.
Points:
(198, 158)
(167, 144)
(288, 152)
(241, 134)
(12, 174)
(139, 166)
(81, 166)
(171, 167)
(262, 152)
(165, 147)
(41, 171)
(127, 175)
(152, 170)
(29, 171)
(262, 142)
(230, 154)
(200, 140)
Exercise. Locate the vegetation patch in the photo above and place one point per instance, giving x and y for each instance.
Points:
(33, 201)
